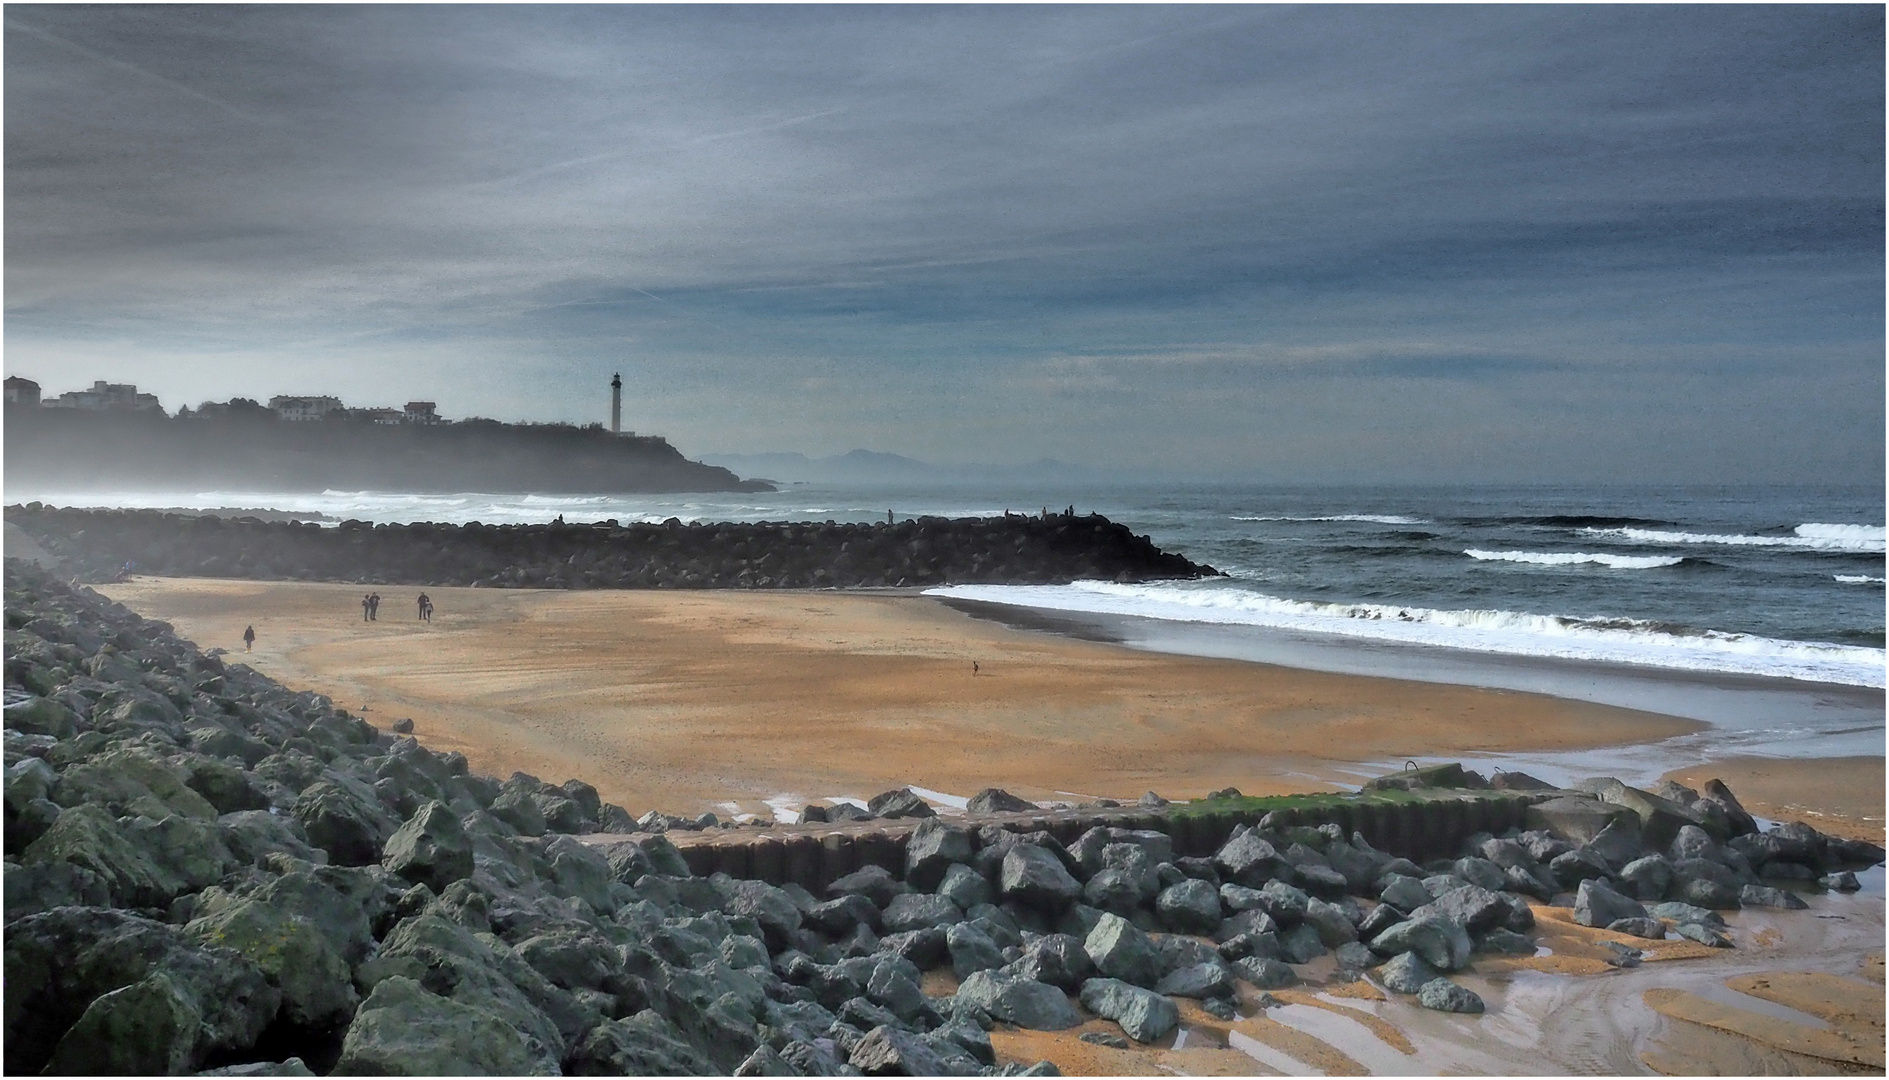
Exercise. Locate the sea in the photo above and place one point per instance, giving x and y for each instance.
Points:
(1759, 609)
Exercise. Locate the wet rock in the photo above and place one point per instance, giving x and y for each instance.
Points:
(1207, 980)
(1767, 896)
(1505, 941)
(1445, 996)
(314, 979)
(1113, 890)
(1406, 973)
(1704, 883)
(149, 1027)
(1576, 819)
(1013, 999)
(1842, 881)
(1405, 893)
(924, 948)
(898, 991)
(1264, 972)
(1476, 908)
(1380, 918)
(1692, 842)
(1103, 1038)
(1480, 872)
(44, 886)
(1646, 878)
(1143, 1014)
(838, 917)
(1570, 868)
(88, 837)
(1595, 904)
(1643, 928)
(1441, 941)
(1741, 823)
(1301, 944)
(1704, 935)
(1678, 912)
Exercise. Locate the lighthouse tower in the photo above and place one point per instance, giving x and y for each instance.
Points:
(616, 404)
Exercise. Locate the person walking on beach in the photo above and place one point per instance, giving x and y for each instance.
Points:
(426, 608)
(373, 608)
(249, 638)
(367, 602)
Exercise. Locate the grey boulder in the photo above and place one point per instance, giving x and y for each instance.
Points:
(1143, 1014)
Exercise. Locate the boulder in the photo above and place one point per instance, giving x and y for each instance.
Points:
(1481, 872)
(1143, 1014)
(1192, 907)
(1404, 893)
(1647, 877)
(1595, 904)
(1265, 972)
(345, 820)
(1379, 919)
(1704, 935)
(1301, 944)
(1739, 821)
(251, 836)
(402, 1029)
(901, 803)
(1767, 896)
(1113, 889)
(1619, 843)
(917, 911)
(997, 801)
(59, 962)
(1249, 860)
(1204, 980)
(1033, 876)
(933, 848)
(1013, 999)
(1577, 819)
(1120, 951)
(1406, 973)
(1445, 996)
(1475, 908)
(1441, 941)
(1057, 959)
(971, 950)
(88, 837)
(965, 887)
(430, 849)
(1570, 868)
(838, 917)
(897, 990)
(1649, 928)
(44, 886)
(875, 883)
(1678, 912)
(147, 1028)
(888, 1051)
(315, 980)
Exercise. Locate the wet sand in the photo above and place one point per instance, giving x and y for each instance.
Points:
(694, 701)
(1841, 796)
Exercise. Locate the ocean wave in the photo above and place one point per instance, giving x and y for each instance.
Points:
(1614, 640)
(1858, 579)
(1860, 539)
(1380, 519)
(1578, 558)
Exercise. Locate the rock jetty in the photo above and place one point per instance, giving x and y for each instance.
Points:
(96, 544)
(208, 872)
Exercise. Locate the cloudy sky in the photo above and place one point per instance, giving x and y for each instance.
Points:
(1326, 243)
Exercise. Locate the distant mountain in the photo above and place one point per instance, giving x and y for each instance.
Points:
(857, 467)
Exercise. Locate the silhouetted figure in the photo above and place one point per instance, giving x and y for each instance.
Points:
(373, 607)
(249, 638)
(426, 608)
(888, 517)
(973, 669)
(367, 604)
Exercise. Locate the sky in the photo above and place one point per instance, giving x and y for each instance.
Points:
(1323, 243)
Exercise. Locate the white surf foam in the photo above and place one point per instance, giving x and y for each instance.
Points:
(1577, 558)
(1624, 641)
(1858, 579)
(1865, 539)
(1381, 519)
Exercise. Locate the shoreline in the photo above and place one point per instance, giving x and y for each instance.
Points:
(814, 695)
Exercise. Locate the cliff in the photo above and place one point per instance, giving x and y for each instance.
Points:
(73, 450)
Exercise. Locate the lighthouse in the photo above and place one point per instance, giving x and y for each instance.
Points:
(616, 404)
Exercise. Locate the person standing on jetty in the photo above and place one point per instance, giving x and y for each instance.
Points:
(249, 638)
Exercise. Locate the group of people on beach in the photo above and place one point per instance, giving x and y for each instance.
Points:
(370, 608)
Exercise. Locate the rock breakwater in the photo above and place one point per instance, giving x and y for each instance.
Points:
(206, 870)
(97, 544)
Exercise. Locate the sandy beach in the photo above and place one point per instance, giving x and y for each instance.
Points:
(686, 701)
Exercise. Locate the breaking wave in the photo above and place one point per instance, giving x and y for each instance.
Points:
(1862, 539)
(1623, 641)
(1578, 558)
(1380, 519)
(1858, 579)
